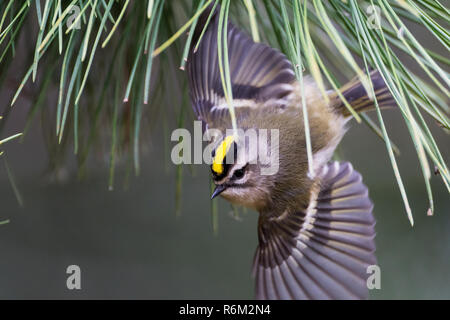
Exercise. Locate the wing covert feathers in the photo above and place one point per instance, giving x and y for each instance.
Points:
(258, 72)
(324, 252)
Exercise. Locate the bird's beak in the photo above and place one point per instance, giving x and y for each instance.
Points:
(218, 190)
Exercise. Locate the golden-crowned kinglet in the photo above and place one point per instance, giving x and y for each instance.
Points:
(316, 228)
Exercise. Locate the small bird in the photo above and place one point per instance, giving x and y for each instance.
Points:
(316, 232)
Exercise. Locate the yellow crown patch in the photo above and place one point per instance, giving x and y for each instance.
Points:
(221, 152)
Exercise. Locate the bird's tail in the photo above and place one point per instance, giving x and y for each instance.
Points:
(356, 95)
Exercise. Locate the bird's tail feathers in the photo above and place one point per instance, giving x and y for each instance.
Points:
(356, 95)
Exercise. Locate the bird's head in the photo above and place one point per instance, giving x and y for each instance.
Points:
(237, 174)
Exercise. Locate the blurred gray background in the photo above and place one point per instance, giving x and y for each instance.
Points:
(129, 243)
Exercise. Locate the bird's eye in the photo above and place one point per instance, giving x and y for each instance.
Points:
(238, 174)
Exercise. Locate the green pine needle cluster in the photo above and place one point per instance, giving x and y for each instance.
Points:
(119, 61)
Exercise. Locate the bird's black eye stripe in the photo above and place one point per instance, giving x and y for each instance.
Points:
(238, 174)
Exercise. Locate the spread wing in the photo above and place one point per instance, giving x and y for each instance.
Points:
(324, 252)
(258, 72)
